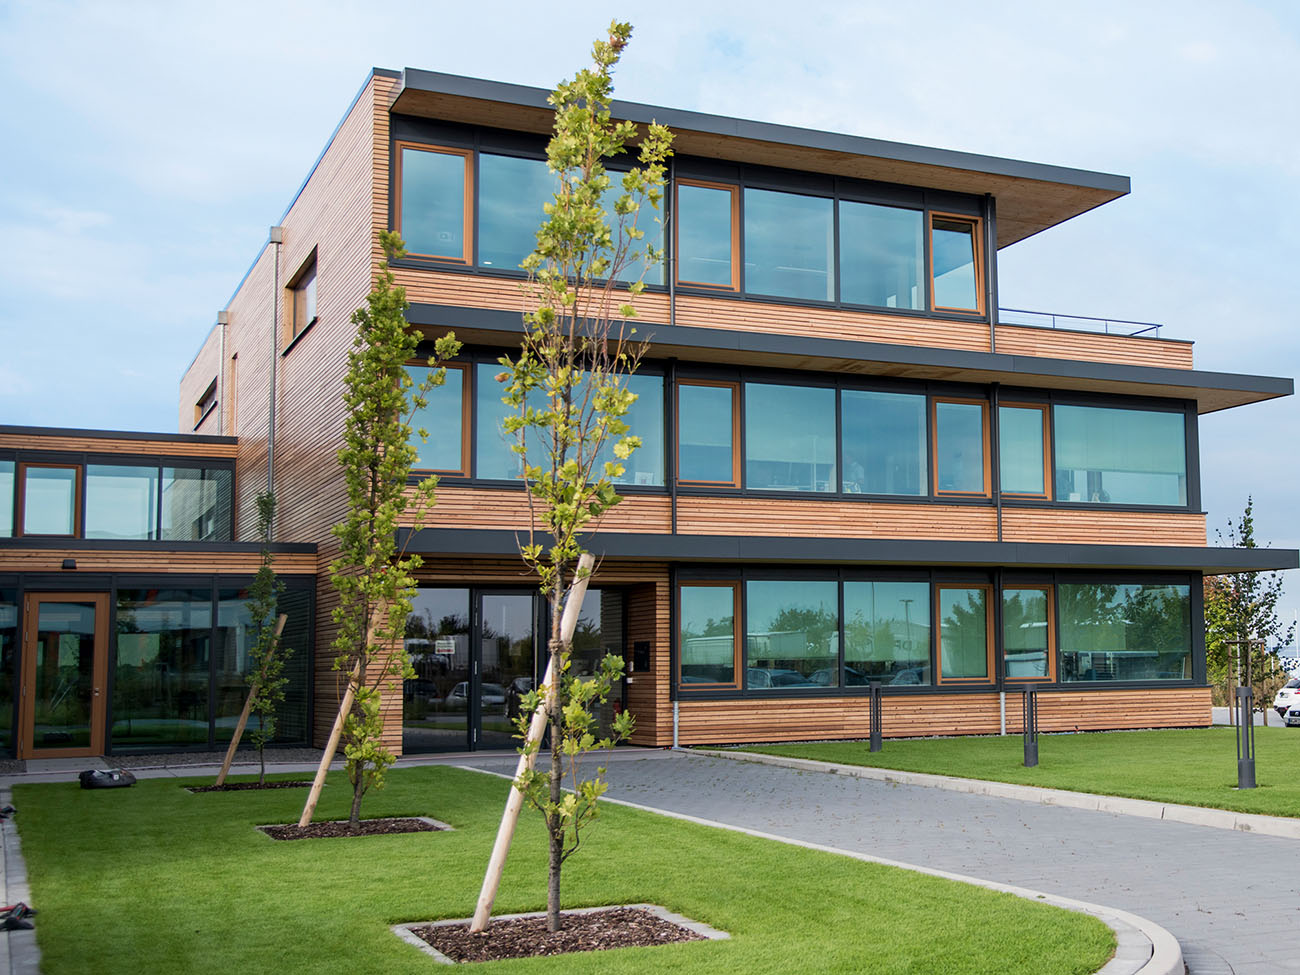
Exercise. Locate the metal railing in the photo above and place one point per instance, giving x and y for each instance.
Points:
(1082, 323)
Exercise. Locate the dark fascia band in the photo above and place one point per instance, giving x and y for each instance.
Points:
(190, 438)
(868, 551)
(46, 543)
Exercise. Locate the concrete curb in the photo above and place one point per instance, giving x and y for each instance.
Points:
(1142, 947)
(21, 956)
(1144, 808)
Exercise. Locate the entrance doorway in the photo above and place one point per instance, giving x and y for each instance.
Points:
(64, 672)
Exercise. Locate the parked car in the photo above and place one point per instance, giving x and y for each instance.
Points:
(492, 695)
(1292, 718)
(1287, 696)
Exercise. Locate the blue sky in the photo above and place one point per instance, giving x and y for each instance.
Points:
(150, 145)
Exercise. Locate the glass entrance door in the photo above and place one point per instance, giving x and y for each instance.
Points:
(64, 667)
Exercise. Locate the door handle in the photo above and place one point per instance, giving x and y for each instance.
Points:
(96, 692)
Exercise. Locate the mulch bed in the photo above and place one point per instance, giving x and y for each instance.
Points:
(247, 786)
(527, 937)
(367, 827)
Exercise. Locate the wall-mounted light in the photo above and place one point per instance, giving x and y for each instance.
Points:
(69, 563)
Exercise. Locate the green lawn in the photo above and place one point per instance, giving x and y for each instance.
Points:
(155, 879)
(1196, 767)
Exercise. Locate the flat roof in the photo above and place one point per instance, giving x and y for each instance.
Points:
(1030, 196)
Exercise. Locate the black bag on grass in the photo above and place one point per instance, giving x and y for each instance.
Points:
(106, 778)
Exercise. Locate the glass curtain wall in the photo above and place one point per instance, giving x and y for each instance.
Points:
(884, 442)
(789, 245)
(50, 500)
(705, 231)
(197, 504)
(1027, 633)
(121, 502)
(8, 666)
(964, 633)
(789, 438)
(1115, 456)
(882, 256)
(1021, 440)
(1125, 632)
(791, 634)
(706, 637)
(706, 447)
(886, 633)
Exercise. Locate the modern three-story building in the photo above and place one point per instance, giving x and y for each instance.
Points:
(854, 468)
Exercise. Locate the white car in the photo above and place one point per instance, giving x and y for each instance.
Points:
(1287, 697)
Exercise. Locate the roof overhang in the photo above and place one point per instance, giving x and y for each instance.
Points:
(1210, 390)
(1030, 196)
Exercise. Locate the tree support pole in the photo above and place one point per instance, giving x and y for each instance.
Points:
(248, 709)
(331, 747)
(536, 727)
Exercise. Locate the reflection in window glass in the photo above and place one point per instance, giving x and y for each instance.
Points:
(599, 632)
(1125, 632)
(955, 280)
(789, 245)
(6, 498)
(963, 633)
(707, 634)
(235, 639)
(121, 502)
(1026, 633)
(705, 450)
(1020, 449)
(49, 501)
(959, 448)
(196, 504)
(704, 235)
(435, 701)
(789, 437)
(645, 419)
(511, 194)
(1120, 456)
(493, 457)
(433, 203)
(441, 419)
(886, 633)
(792, 635)
(8, 658)
(884, 442)
(882, 256)
(648, 220)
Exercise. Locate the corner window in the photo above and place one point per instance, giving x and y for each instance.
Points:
(965, 634)
(961, 447)
(197, 504)
(884, 443)
(1028, 644)
(1125, 632)
(1022, 450)
(434, 196)
(791, 635)
(882, 256)
(789, 245)
(512, 193)
(445, 420)
(708, 646)
(6, 499)
(1113, 456)
(121, 502)
(50, 498)
(302, 299)
(886, 633)
(789, 438)
(956, 284)
(708, 433)
(706, 222)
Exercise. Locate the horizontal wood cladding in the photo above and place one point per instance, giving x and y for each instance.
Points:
(458, 571)
(124, 445)
(485, 291)
(647, 691)
(198, 377)
(754, 720)
(161, 561)
(1103, 527)
(1091, 347)
(840, 519)
(507, 508)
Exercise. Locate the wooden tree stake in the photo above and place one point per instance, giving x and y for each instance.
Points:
(248, 709)
(331, 747)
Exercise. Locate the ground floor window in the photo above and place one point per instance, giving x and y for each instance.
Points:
(1113, 631)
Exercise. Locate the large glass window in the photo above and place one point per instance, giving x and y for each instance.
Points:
(886, 633)
(707, 241)
(882, 256)
(1027, 633)
(443, 419)
(789, 245)
(1022, 435)
(49, 499)
(707, 634)
(1125, 632)
(960, 447)
(434, 186)
(964, 633)
(648, 221)
(954, 243)
(884, 438)
(1120, 456)
(6, 498)
(8, 658)
(435, 700)
(196, 504)
(645, 419)
(707, 444)
(493, 457)
(233, 663)
(789, 437)
(791, 635)
(512, 192)
(121, 502)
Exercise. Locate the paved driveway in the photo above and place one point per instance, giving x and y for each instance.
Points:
(1232, 899)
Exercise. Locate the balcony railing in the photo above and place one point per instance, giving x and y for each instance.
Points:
(1078, 323)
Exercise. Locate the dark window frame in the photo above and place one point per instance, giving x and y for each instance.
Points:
(1049, 459)
(1050, 589)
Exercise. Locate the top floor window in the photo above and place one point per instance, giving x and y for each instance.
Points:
(955, 247)
(302, 298)
(1117, 456)
(6, 498)
(435, 186)
(789, 245)
(882, 256)
(707, 224)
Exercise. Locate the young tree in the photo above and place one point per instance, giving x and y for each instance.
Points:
(373, 578)
(568, 386)
(1242, 606)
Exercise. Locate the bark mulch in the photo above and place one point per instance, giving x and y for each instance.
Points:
(527, 937)
(246, 786)
(367, 827)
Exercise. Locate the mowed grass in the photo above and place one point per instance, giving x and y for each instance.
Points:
(1195, 767)
(155, 879)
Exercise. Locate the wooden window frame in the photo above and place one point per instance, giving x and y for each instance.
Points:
(934, 447)
(734, 190)
(207, 402)
(1050, 592)
(467, 252)
(466, 403)
(20, 492)
(735, 433)
(1046, 493)
(737, 631)
(292, 328)
(989, 633)
(977, 238)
